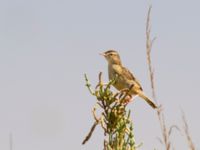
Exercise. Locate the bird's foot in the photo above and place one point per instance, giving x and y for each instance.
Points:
(127, 99)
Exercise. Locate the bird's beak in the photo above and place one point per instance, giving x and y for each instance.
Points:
(102, 54)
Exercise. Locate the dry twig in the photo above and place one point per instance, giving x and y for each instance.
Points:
(166, 132)
(187, 133)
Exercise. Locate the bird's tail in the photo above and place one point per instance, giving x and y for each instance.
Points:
(148, 100)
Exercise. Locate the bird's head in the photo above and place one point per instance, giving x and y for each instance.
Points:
(112, 57)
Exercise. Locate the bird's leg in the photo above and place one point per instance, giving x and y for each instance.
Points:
(123, 92)
(125, 96)
(127, 99)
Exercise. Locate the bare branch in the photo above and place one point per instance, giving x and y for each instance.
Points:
(187, 133)
(90, 133)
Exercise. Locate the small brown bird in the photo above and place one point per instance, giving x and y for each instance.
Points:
(124, 78)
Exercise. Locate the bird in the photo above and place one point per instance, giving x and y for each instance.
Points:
(124, 79)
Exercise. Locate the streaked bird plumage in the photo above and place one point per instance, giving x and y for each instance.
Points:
(124, 78)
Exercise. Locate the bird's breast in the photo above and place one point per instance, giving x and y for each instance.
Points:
(114, 73)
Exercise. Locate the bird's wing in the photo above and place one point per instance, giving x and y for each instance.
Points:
(124, 73)
(130, 76)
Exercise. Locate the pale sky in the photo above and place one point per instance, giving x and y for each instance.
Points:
(46, 46)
